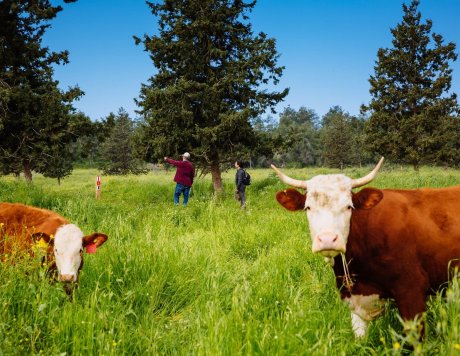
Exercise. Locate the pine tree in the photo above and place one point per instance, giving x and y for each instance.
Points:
(35, 116)
(299, 132)
(59, 164)
(410, 92)
(118, 151)
(339, 137)
(59, 158)
(268, 142)
(207, 89)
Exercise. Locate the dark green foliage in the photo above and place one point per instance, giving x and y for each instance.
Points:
(210, 68)
(268, 142)
(411, 107)
(59, 162)
(118, 151)
(36, 120)
(58, 155)
(448, 133)
(87, 150)
(341, 139)
(302, 139)
(298, 131)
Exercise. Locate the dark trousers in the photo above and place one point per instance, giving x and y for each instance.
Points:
(242, 196)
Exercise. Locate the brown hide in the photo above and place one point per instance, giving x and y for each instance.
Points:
(402, 247)
(19, 223)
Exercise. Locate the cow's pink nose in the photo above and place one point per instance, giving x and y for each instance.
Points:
(329, 244)
(328, 238)
(67, 278)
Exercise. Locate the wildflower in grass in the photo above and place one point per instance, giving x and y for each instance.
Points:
(457, 346)
(41, 244)
(396, 345)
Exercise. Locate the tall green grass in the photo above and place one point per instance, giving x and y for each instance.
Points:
(207, 279)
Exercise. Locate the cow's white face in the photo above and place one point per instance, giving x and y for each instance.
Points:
(329, 202)
(68, 252)
(329, 205)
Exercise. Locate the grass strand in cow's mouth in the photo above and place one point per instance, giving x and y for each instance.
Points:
(347, 280)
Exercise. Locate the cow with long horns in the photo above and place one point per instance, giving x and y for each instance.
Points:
(382, 243)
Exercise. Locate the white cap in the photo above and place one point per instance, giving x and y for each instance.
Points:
(186, 155)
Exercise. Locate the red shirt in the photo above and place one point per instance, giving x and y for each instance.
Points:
(185, 172)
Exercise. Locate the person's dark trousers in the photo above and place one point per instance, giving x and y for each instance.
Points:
(243, 197)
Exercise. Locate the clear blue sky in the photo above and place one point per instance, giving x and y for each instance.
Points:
(328, 47)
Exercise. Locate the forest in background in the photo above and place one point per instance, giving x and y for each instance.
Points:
(208, 96)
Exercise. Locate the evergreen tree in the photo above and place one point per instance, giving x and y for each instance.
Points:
(340, 138)
(268, 142)
(410, 92)
(448, 134)
(299, 134)
(210, 68)
(59, 164)
(360, 154)
(35, 116)
(87, 150)
(57, 156)
(118, 151)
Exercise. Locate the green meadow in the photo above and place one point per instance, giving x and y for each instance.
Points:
(207, 279)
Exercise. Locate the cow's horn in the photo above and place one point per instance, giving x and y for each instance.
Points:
(364, 180)
(290, 181)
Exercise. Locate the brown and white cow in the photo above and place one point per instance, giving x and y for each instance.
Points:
(382, 243)
(24, 228)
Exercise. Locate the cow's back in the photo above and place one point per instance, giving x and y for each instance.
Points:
(19, 222)
(410, 231)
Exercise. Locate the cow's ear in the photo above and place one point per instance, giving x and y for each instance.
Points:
(43, 238)
(291, 199)
(367, 198)
(96, 238)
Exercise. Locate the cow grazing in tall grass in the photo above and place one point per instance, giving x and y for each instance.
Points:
(382, 243)
(24, 228)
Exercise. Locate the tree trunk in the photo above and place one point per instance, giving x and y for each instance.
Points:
(216, 179)
(27, 171)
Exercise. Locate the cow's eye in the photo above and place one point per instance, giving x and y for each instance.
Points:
(307, 208)
(349, 207)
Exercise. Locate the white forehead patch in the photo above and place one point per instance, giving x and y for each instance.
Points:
(330, 181)
(68, 237)
(329, 190)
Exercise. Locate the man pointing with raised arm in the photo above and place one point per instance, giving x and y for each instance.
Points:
(185, 173)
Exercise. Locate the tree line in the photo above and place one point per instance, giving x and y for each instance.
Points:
(209, 96)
